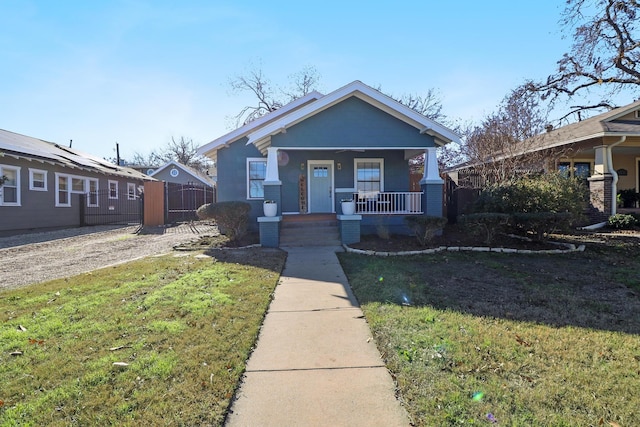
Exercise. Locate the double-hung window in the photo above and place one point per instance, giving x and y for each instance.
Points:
(10, 190)
(369, 175)
(113, 189)
(63, 190)
(131, 191)
(256, 173)
(92, 197)
(37, 180)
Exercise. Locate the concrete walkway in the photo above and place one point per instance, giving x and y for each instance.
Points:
(315, 363)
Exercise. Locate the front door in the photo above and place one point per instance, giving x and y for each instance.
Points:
(320, 186)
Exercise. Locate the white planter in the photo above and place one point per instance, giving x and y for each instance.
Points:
(348, 208)
(270, 209)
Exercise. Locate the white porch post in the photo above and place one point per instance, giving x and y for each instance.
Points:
(272, 177)
(431, 171)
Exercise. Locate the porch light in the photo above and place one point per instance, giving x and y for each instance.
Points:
(302, 166)
(339, 166)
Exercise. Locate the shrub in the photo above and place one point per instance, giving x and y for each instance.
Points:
(541, 224)
(425, 227)
(487, 225)
(232, 217)
(622, 221)
(550, 193)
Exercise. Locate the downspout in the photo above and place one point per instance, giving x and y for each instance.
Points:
(614, 174)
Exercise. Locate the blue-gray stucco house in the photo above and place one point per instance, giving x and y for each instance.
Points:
(353, 143)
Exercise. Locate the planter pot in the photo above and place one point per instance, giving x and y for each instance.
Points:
(270, 209)
(348, 208)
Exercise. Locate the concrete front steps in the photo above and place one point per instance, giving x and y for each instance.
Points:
(309, 230)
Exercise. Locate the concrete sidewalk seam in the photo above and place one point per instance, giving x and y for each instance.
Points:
(333, 368)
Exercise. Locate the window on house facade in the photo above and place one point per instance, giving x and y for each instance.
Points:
(10, 190)
(37, 180)
(113, 189)
(63, 190)
(369, 175)
(256, 173)
(131, 191)
(92, 197)
(573, 169)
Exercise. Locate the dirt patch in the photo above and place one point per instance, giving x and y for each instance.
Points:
(452, 236)
(38, 257)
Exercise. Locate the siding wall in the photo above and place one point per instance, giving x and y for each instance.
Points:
(37, 208)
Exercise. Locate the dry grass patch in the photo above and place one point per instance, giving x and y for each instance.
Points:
(183, 325)
(534, 340)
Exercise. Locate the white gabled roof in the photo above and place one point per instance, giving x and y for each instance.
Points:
(261, 121)
(260, 130)
(206, 180)
(441, 134)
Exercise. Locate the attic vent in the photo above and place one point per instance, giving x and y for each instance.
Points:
(637, 114)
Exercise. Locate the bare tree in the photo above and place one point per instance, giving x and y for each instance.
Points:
(183, 151)
(605, 55)
(268, 97)
(501, 147)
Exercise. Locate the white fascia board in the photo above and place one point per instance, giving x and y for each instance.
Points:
(182, 168)
(365, 93)
(243, 130)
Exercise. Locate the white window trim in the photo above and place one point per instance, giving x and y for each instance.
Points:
(254, 159)
(31, 179)
(370, 160)
(68, 191)
(97, 191)
(130, 186)
(17, 171)
(109, 186)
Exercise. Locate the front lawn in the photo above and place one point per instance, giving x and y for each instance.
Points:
(510, 340)
(160, 341)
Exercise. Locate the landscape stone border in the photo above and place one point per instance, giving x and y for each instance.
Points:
(569, 247)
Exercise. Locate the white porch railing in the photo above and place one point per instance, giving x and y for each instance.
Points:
(399, 203)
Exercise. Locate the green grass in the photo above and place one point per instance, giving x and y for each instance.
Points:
(526, 340)
(184, 325)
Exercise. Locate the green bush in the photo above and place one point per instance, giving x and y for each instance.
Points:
(487, 225)
(549, 192)
(552, 197)
(622, 221)
(425, 227)
(232, 217)
(541, 224)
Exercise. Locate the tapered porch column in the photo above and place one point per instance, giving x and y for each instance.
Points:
(272, 183)
(431, 184)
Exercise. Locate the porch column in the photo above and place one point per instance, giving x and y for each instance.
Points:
(272, 184)
(431, 184)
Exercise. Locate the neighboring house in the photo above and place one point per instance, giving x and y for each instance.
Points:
(186, 189)
(603, 149)
(353, 143)
(181, 174)
(46, 183)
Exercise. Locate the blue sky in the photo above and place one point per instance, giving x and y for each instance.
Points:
(139, 72)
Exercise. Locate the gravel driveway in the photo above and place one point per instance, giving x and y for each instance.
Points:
(37, 257)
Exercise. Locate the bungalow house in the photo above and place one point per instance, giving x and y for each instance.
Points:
(603, 149)
(46, 185)
(352, 144)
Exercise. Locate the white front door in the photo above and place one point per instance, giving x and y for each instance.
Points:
(320, 186)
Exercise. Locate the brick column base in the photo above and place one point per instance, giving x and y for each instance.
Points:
(349, 228)
(600, 197)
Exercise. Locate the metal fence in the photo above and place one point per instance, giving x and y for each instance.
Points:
(105, 207)
(182, 201)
